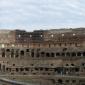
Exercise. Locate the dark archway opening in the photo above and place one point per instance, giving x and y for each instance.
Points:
(60, 81)
(22, 53)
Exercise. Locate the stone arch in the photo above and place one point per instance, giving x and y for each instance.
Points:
(26, 69)
(67, 54)
(42, 54)
(58, 54)
(32, 54)
(8, 69)
(21, 69)
(22, 52)
(83, 53)
(77, 69)
(3, 54)
(72, 64)
(67, 64)
(47, 54)
(17, 69)
(78, 53)
(37, 55)
(67, 81)
(3, 67)
(62, 54)
(73, 54)
(73, 81)
(7, 50)
(27, 50)
(52, 54)
(60, 81)
(12, 53)
(17, 53)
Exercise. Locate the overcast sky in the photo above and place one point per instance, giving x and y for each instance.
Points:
(41, 14)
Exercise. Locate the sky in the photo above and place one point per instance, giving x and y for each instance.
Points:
(41, 14)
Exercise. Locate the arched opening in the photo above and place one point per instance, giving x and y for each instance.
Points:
(8, 69)
(22, 53)
(52, 55)
(17, 69)
(26, 69)
(64, 49)
(60, 81)
(37, 54)
(78, 54)
(57, 54)
(32, 54)
(13, 64)
(67, 81)
(51, 64)
(82, 64)
(27, 50)
(83, 53)
(73, 54)
(76, 69)
(17, 53)
(36, 69)
(41, 68)
(67, 64)
(3, 67)
(59, 70)
(67, 54)
(21, 69)
(73, 81)
(12, 53)
(42, 54)
(8, 50)
(72, 64)
(3, 54)
(46, 69)
(47, 54)
(62, 54)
